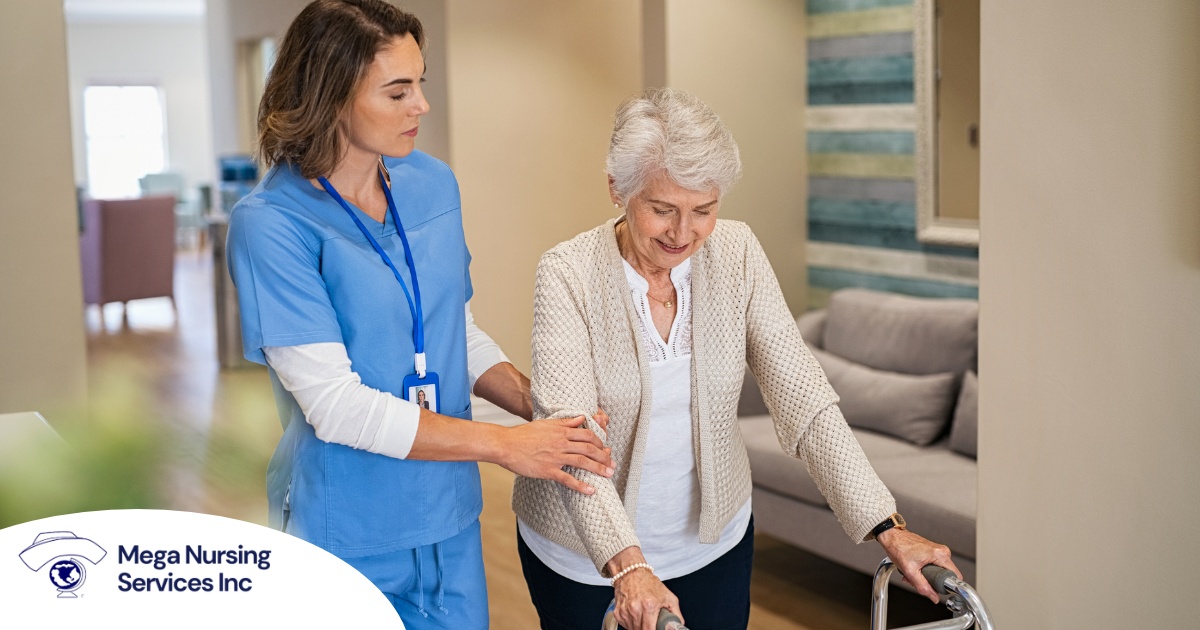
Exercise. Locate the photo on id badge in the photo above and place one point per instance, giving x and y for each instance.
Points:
(425, 396)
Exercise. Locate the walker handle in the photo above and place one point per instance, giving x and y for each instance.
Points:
(668, 621)
(938, 577)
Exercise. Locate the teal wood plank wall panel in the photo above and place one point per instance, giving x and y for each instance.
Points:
(859, 188)
(827, 72)
(817, 7)
(852, 47)
(860, 81)
(862, 213)
(855, 215)
(860, 94)
(833, 279)
(897, 142)
(884, 237)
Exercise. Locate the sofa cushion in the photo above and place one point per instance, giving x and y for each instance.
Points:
(772, 468)
(964, 429)
(910, 407)
(934, 487)
(751, 402)
(812, 327)
(894, 332)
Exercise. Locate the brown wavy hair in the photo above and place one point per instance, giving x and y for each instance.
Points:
(322, 59)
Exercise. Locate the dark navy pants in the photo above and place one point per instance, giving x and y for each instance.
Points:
(715, 597)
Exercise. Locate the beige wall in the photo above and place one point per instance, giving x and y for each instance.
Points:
(533, 86)
(746, 60)
(1090, 313)
(42, 360)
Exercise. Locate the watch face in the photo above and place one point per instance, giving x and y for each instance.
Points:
(899, 520)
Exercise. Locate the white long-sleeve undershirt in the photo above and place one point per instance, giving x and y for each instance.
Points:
(344, 411)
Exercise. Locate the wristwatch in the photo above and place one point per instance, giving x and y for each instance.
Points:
(895, 520)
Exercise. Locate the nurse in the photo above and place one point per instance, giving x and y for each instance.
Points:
(353, 282)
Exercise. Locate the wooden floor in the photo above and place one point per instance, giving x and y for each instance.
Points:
(226, 427)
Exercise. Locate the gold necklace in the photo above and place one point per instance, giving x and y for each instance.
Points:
(668, 303)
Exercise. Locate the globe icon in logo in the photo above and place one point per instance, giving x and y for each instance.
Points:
(67, 575)
(64, 553)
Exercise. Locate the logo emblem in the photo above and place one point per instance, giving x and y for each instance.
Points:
(63, 552)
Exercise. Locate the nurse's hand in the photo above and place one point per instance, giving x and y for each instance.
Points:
(540, 449)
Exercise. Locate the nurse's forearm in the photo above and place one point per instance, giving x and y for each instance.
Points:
(447, 439)
(506, 387)
(538, 449)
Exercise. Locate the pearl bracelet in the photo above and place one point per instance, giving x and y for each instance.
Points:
(628, 569)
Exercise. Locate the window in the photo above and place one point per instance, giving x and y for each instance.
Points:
(126, 138)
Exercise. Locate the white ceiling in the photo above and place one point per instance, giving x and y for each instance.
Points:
(134, 10)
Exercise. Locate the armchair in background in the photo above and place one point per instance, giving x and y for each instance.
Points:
(127, 250)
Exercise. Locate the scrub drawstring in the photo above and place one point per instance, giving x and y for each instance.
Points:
(441, 586)
(420, 584)
(441, 592)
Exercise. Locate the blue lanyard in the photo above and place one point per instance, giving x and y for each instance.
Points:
(413, 308)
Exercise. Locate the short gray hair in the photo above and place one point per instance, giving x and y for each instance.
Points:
(664, 129)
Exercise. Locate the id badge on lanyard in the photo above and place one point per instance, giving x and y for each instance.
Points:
(421, 387)
(422, 390)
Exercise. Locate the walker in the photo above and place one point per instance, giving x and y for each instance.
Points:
(962, 600)
(958, 596)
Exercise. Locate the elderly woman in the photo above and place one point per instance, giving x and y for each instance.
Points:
(653, 316)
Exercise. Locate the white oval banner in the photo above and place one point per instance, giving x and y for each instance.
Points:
(162, 569)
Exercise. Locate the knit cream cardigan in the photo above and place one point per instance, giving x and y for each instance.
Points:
(587, 354)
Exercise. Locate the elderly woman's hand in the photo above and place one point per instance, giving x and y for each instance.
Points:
(911, 553)
(639, 593)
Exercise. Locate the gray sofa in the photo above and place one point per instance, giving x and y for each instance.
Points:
(904, 368)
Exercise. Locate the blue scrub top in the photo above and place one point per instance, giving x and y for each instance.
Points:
(305, 274)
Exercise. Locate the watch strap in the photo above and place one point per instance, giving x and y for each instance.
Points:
(895, 520)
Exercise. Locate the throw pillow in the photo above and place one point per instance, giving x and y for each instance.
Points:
(964, 431)
(900, 333)
(915, 408)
